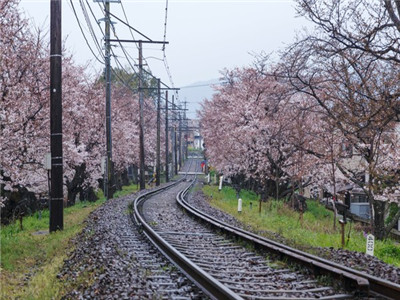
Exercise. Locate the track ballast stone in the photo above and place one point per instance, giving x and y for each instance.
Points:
(360, 261)
(113, 260)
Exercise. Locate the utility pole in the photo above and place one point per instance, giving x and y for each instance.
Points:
(108, 177)
(180, 138)
(186, 131)
(166, 139)
(175, 151)
(141, 135)
(140, 88)
(175, 158)
(158, 162)
(56, 181)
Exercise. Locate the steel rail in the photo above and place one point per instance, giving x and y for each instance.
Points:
(351, 278)
(209, 285)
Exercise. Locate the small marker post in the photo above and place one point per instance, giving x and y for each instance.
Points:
(239, 205)
(370, 244)
(220, 183)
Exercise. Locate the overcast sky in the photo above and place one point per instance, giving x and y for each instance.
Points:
(204, 36)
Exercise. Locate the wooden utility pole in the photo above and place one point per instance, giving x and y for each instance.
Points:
(166, 139)
(141, 121)
(108, 176)
(56, 181)
(158, 160)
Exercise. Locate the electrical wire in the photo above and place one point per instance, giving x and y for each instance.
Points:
(84, 36)
(128, 57)
(131, 32)
(90, 27)
(165, 24)
(163, 48)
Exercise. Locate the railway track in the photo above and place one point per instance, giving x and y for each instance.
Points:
(225, 269)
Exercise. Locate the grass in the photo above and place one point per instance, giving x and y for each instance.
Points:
(126, 190)
(29, 263)
(315, 229)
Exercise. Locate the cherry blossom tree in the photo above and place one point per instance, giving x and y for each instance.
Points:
(357, 90)
(83, 123)
(249, 128)
(24, 115)
(23, 86)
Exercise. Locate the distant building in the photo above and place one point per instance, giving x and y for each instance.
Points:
(195, 139)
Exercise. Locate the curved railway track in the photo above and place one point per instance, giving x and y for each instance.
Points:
(225, 269)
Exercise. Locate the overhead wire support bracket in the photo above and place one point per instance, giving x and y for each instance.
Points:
(162, 89)
(127, 24)
(138, 41)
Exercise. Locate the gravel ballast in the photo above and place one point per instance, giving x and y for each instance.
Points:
(360, 261)
(113, 260)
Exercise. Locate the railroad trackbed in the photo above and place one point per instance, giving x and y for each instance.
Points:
(212, 254)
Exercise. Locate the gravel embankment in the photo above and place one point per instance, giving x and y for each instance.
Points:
(357, 260)
(245, 272)
(112, 260)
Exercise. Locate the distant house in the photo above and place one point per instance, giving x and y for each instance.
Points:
(194, 137)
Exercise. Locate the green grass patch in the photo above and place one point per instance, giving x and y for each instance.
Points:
(30, 262)
(315, 229)
(126, 190)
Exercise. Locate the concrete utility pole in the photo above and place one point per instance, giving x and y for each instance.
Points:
(108, 177)
(166, 139)
(174, 154)
(180, 138)
(158, 162)
(141, 121)
(186, 131)
(56, 181)
(141, 96)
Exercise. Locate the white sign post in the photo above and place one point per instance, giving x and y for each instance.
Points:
(47, 161)
(103, 164)
(239, 205)
(220, 183)
(370, 244)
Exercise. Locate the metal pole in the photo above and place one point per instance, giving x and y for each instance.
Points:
(141, 135)
(56, 183)
(158, 162)
(166, 139)
(174, 141)
(186, 132)
(108, 176)
(180, 139)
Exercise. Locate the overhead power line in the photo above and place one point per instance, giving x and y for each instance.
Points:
(83, 33)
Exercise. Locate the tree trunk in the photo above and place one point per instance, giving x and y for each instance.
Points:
(75, 185)
(392, 223)
(379, 220)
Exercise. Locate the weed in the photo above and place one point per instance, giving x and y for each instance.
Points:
(325, 280)
(129, 210)
(316, 229)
